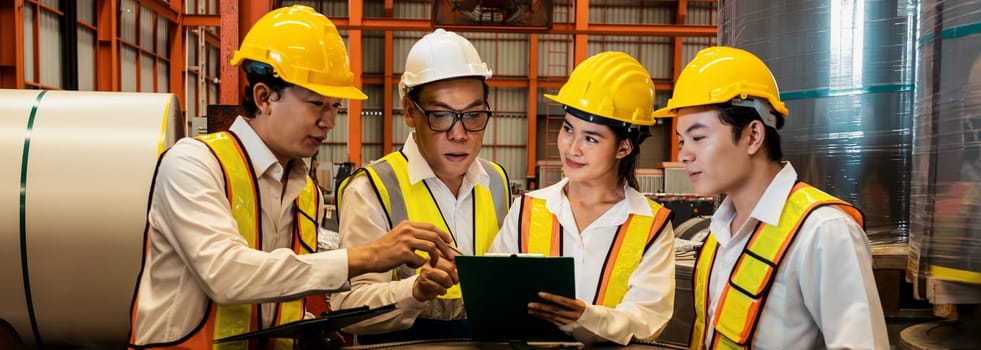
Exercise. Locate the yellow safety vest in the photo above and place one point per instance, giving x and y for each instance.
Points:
(240, 187)
(414, 202)
(541, 233)
(744, 297)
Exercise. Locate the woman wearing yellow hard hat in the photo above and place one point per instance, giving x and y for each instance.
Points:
(231, 239)
(622, 241)
(786, 266)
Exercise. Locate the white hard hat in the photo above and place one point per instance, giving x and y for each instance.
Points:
(441, 55)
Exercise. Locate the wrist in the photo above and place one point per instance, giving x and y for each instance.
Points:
(359, 260)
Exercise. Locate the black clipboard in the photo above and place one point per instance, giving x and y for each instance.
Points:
(303, 328)
(497, 290)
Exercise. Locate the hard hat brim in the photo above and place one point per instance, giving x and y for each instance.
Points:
(345, 92)
(666, 112)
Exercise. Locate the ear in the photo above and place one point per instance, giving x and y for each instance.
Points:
(407, 108)
(755, 133)
(624, 149)
(261, 94)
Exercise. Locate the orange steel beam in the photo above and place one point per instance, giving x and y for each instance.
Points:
(201, 20)
(228, 89)
(236, 18)
(12, 45)
(388, 24)
(388, 86)
(582, 27)
(532, 115)
(388, 104)
(680, 17)
(107, 52)
(355, 12)
(178, 63)
(162, 8)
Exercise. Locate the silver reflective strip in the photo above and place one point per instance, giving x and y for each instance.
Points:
(444, 309)
(390, 182)
(497, 190)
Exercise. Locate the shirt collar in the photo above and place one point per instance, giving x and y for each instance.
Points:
(767, 209)
(419, 168)
(262, 157)
(554, 197)
(770, 206)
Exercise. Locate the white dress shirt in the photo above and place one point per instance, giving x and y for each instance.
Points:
(824, 295)
(363, 220)
(196, 252)
(649, 302)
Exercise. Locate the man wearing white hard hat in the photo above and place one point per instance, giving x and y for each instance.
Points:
(435, 178)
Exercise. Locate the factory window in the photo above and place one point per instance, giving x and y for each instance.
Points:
(144, 45)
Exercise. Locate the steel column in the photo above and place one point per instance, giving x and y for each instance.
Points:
(354, 108)
(582, 26)
(532, 115)
(680, 18)
(107, 54)
(228, 89)
(388, 103)
(12, 45)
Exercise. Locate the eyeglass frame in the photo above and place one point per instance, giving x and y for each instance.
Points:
(457, 116)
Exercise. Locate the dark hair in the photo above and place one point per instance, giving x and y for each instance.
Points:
(258, 72)
(414, 92)
(739, 117)
(627, 171)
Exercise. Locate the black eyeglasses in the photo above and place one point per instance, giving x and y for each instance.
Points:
(440, 121)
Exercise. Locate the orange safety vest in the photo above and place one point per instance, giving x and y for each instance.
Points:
(406, 201)
(541, 233)
(744, 297)
(240, 187)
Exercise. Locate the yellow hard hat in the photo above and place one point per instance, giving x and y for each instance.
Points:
(304, 49)
(610, 85)
(721, 74)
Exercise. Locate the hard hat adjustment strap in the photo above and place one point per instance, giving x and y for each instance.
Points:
(764, 109)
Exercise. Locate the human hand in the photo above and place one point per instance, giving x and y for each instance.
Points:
(434, 281)
(398, 246)
(559, 311)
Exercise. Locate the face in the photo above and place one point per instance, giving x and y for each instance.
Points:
(449, 153)
(294, 122)
(590, 151)
(714, 162)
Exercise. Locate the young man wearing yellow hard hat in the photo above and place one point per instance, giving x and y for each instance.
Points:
(622, 242)
(436, 178)
(786, 266)
(232, 227)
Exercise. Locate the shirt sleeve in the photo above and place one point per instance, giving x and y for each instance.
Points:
(362, 220)
(191, 214)
(645, 309)
(837, 284)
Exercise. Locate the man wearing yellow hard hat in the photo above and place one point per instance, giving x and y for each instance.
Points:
(623, 243)
(435, 178)
(231, 236)
(786, 266)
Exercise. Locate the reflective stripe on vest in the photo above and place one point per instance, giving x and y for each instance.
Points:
(541, 233)
(390, 177)
(242, 193)
(744, 297)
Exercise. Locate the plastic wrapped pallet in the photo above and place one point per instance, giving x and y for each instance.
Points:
(945, 235)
